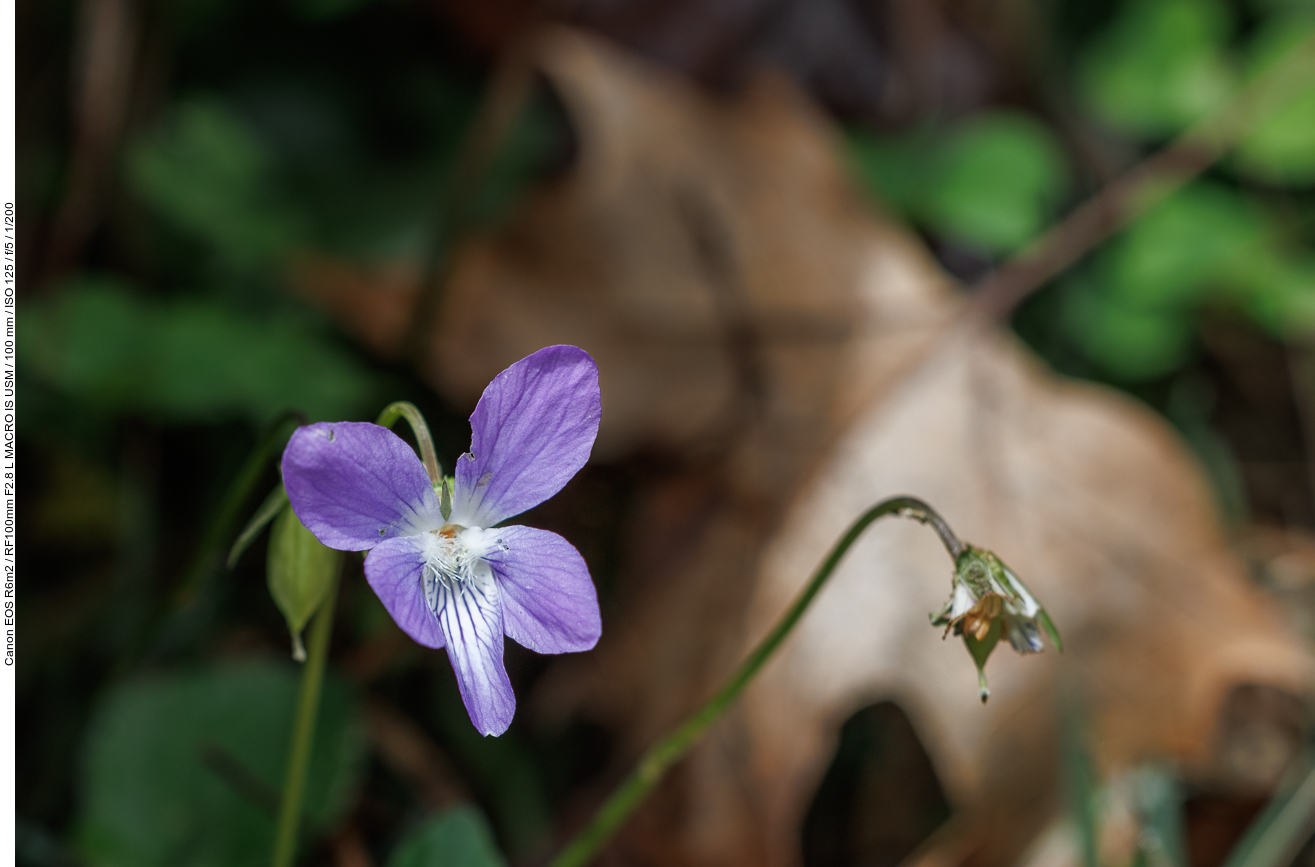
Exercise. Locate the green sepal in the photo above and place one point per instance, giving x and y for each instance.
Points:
(981, 651)
(300, 572)
(276, 500)
(1049, 626)
(975, 568)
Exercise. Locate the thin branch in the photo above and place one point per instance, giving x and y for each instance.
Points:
(1143, 186)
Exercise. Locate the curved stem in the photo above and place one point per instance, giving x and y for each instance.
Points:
(654, 764)
(303, 732)
(406, 409)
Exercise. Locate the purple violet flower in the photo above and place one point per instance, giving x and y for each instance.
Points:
(458, 581)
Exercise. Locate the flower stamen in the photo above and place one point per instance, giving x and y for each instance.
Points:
(454, 560)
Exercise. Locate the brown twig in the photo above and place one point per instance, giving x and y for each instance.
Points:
(1141, 187)
(103, 75)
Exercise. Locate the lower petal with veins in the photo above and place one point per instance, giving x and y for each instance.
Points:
(470, 615)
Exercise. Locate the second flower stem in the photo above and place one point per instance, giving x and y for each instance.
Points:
(303, 732)
(654, 764)
(424, 442)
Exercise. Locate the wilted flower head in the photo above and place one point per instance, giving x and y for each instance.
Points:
(988, 599)
(445, 572)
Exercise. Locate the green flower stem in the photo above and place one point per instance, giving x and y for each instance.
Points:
(407, 410)
(653, 766)
(303, 732)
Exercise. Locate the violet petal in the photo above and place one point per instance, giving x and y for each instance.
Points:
(531, 432)
(470, 614)
(395, 569)
(355, 484)
(548, 600)
(1023, 635)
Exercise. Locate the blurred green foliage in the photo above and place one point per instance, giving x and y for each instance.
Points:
(1160, 66)
(1220, 244)
(1235, 246)
(1281, 148)
(112, 351)
(149, 365)
(458, 837)
(206, 173)
(995, 181)
(1223, 244)
(184, 769)
(992, 182)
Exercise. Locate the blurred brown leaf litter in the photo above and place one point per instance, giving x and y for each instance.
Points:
(795, 358)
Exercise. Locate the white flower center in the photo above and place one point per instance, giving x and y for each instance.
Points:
(454, 560)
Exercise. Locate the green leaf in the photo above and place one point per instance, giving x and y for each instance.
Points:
(208, 175)
(995, 181)
(1199, 239)
(184, 769)
(458, 837)
(1132, 342)
(300, 572)
(1280, 148)
(1278, 291)
(1161, 66)
(891, 169)
(184, 361)
(90, 343)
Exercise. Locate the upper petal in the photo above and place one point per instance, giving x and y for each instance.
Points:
(470, 615)
(548, 600)
(354, 484)
(531, 432)
(395, 570)
(1029, 604)
(961, 601)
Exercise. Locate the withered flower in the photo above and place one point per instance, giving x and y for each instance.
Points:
(988, 599)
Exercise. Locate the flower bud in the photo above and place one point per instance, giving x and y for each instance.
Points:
(300, 572)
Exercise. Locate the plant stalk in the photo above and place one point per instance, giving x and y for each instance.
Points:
(654, 764)
(425, 442)
(303, 732)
